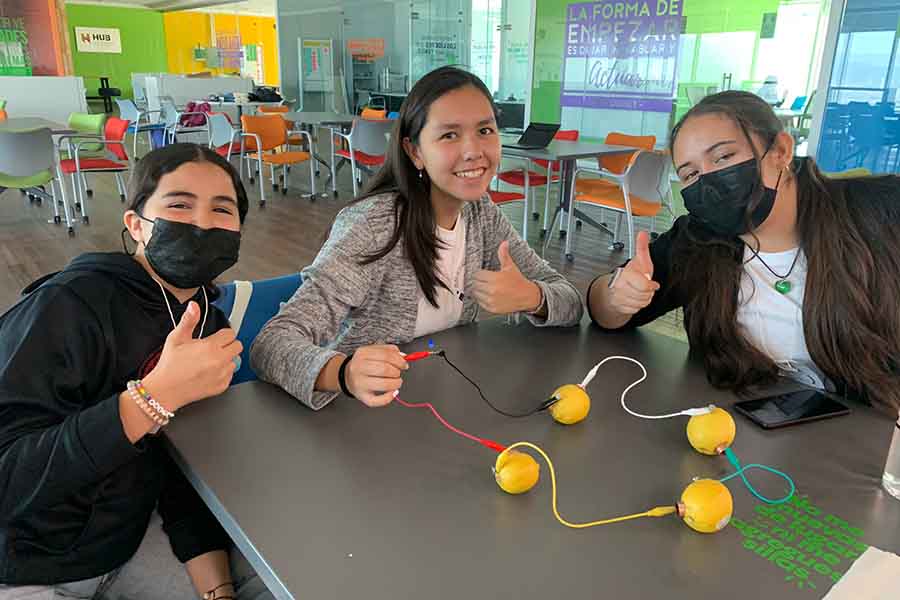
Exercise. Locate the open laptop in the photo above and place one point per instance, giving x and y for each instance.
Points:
(538, 135)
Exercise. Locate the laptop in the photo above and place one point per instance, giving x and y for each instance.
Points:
(538, 135)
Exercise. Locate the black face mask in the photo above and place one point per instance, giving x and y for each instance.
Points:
(187, 256)
(720, 199)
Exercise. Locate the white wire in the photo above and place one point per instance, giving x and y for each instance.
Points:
(172, 316)
(593, 372)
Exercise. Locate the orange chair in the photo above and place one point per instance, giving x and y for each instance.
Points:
(612, 167)
(116, 160)
(270, 135)
(373, 114)
(293, 138)
(644, 190)
(2, 109)
(527, 178)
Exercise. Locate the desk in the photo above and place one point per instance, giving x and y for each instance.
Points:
(20, 124)
(239, 105)
(351, 502)
(567, 153)
(788, 116)
(315, 120)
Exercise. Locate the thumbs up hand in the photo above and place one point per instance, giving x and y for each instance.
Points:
(192, 369)
(507, 290)
(634, 288)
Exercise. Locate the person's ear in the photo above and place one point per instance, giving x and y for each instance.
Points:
(412, 151)
(133, 224)
(783, 150)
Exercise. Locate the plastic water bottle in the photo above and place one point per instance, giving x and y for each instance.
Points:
(891, 478)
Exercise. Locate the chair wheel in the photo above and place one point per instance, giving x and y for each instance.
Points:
(262, 203)
(57, 219)
(71, 232)
(86, 220)
(122, 197)
(38, 200)
(562, 234)
(283, 191)
(335, 192)
(535, 216)
(274, 187)
(90, 193)
(570, 257)
(78, 206)
(577, 224)
(252, 180)
(542, 234)
(618, 246)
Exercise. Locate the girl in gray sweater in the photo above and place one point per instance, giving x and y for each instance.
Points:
(423, 250)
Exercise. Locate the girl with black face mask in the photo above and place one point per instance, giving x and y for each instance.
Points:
(780, 270)
(94, 360)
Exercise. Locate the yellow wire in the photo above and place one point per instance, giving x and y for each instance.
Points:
(659, 511)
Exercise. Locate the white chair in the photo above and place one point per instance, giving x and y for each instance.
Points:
(643, 191)
(172, 119)
(366, 149)
(140, 122)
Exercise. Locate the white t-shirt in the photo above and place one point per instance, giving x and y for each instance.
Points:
(772, 321)
(451, 267)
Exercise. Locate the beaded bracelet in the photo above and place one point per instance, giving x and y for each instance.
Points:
(160, 419)
(149, 399)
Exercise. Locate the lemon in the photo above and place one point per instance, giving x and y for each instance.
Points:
(516, 472)
(706, 506)
(572, 406)
(711, 433)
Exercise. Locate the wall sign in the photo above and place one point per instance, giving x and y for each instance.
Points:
(97, 39)
(621, 54)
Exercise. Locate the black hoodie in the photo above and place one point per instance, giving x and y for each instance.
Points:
(75, 495)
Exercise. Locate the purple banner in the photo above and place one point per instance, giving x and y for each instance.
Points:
(621, 54)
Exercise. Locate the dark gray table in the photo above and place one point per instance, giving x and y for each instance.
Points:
(351, 502)
(567, 153)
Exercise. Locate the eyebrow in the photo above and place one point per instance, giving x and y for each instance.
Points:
(480, 123)
(177, 193)
(707, 151)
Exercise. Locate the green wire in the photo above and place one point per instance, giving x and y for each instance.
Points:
(733, 459)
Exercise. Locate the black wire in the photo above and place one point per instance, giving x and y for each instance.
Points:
(544, 405)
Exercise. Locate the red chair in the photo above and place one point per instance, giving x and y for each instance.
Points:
(527, 178)
(503, 197)
(116, 160)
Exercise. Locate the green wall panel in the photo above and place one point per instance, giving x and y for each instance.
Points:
(143, 44)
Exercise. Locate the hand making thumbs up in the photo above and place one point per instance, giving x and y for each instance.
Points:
(507, 290)
(634, 287)
(192, 369)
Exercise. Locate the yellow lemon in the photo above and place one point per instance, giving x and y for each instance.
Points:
(706, 506)
(573, 405)
(516, 472)
(711, 433)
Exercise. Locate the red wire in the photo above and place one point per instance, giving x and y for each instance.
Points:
(484, 442)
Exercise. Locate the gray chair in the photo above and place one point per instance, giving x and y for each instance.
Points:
(140, 122)
(366, 149)
(171, 116)
(28, 164)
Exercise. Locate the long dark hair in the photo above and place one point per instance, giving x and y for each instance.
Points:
(847, 230)
(413, 213)
(151, 168)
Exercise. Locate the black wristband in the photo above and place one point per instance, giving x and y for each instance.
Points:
(342, 381)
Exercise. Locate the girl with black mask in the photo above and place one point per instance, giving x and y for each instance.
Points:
(94, 360)
(780, 270)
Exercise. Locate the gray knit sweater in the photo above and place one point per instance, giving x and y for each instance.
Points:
(343, 305)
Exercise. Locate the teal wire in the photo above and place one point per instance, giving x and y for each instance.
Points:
(732, 458)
